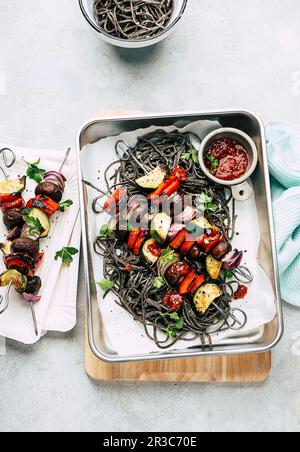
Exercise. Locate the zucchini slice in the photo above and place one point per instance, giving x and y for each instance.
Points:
(19, 281)
(44, 220)
(12, 186)
(153, 179)
(213, 267)
(160, 227)
(205, 296)
(148, 254)
(6, 248)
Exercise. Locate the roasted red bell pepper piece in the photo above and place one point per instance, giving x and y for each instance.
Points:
(44, 203)
(171, 188)
(201, 239)
(8, 198)
(38, 260)
(140, 241)
(163, 186)
(210, 241)
(133, 236)
(186, 283)
(196, 284)
(115, 198)
(179, 240)
(16, 204)
(23, 263)
(187, 245)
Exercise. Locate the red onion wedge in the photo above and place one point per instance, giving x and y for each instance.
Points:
(30, 298)
(56, 178)
(232, 260)
(187, 215)
(174, 230)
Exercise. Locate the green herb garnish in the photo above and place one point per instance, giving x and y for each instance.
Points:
(214, 163)
(169, 256)
(34, 172)
(105, 231)
(228, 274)
(66, 254)
(25, 212)
(180, 323)
(205, 203)
(171, 332)
(191, 155)
(65, 205)
(106, 285)
(34, 225)
(159, 282)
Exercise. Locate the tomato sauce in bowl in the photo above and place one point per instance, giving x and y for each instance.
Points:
(227, 159)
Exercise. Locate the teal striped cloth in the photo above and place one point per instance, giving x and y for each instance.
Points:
(283, 142)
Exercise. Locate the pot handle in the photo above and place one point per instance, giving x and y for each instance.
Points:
(242, 192)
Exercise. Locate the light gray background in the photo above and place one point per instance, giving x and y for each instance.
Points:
(225, 53)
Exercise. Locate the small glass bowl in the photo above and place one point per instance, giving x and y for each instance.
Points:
(87, 7)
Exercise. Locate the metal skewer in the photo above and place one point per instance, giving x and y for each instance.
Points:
(65, 159)
(31, 302)
(34, 318)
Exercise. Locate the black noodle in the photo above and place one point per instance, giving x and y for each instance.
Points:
(134, 290)
(133, 19)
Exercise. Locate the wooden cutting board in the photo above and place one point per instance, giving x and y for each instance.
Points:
(232, 369)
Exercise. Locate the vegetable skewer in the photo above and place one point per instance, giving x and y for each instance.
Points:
(25, 259)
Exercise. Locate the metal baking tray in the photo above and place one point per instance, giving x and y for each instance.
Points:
(103, 127)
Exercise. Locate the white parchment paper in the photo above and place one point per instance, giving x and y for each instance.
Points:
(126, 336)
(57, 309)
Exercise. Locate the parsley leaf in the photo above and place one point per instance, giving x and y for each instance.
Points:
(171, 332)
(105, 231)
(205, 203)
(159, 282)
(65, 205)
(169, 256)
(214, 163)
(180, 323)
(106, 285)
(66, 254)
(191, 154)
(34, 172)
(34, 225)
(228, 274)
(130, 228)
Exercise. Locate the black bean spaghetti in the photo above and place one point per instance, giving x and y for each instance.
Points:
(133, 19)
(134, 282)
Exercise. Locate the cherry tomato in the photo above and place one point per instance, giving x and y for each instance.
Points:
(241, 293)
